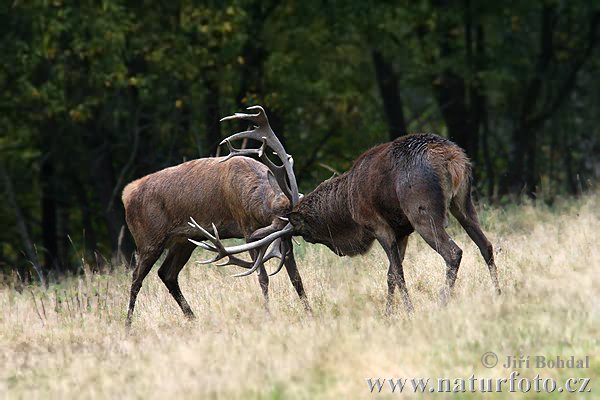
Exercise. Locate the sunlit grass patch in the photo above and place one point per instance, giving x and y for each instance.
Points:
(69, 341)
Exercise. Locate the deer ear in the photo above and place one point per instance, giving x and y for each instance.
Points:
(296, 219)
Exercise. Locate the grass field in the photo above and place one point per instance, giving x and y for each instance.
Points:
(70, 341)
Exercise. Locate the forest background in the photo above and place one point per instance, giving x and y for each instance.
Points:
(96, 94)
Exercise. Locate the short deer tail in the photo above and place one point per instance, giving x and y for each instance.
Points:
(459, 169)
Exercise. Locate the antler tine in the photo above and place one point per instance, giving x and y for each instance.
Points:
(231, 260)
(217, 247)
(275, 251)
(284, 174)
(261, 245)
(283, 249)
(285, 231)
(233, 152)
(257, 263)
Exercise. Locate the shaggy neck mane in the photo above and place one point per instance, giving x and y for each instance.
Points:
(328, 207)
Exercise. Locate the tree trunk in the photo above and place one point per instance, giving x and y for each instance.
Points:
(450, 89)
(490, 170)
(387, 82)
(212, 115)
(254, 55)
(21, 224)
(48, 198)
(89, 232)
(103, 178)
(523, 155)
(475, 58)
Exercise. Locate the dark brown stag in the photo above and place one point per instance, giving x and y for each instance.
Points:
(235, 196)
(392, 190)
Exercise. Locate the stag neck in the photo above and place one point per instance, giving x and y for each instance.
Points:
(330, 199)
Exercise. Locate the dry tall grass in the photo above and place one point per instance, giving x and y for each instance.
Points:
(70, 341)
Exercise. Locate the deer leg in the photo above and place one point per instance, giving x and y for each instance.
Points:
(144, 264)
(467, 217)
(395, 249)
(401, 248)
(168, 272)
(292, 270)
(263, 279)
(431, 228)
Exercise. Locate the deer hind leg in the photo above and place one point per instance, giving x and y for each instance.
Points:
(395, 249)
(464, 211)
(292, 270)
(179, 254)
(429, 221)
(263, 279)
(144, 262)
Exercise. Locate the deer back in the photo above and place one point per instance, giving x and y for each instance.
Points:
(235, 195)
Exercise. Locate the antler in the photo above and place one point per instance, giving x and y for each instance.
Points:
(284, 174)
(216, 247)
(278, 249)
(278, 243)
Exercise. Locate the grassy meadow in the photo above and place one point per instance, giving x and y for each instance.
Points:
(70, 342)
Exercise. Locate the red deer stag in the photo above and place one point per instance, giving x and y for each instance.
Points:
(391, 190)
(236, 196)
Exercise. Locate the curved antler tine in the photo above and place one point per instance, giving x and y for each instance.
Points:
(279, 267)
(250, 117)
(278, 174)
(215, 231)
(196, 225)
(283, 174)
(255, 134)
(212, 260)
(234, 152)
(192, 222)
(203, 245)
(267, 240)
(285, 249)
(257, 263)
(263, 148)
(274, 250)
(232, 260)
(259, 117)
(261, 245)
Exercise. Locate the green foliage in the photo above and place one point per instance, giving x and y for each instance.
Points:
(95, 94)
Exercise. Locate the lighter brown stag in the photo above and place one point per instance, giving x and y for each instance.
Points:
(234, 195)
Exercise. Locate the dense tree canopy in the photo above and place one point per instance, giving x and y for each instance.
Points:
(96, 94)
